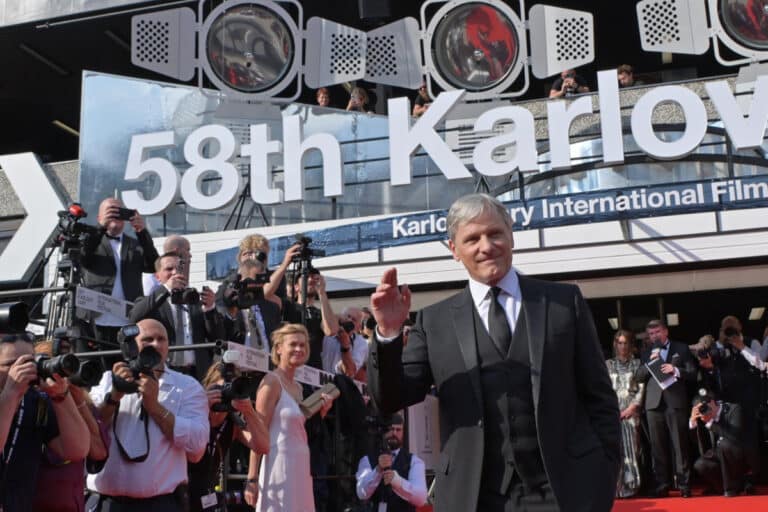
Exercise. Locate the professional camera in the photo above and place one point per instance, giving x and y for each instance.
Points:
(713, 352)
(71, 231)
(247, 292)
(88, 375)
(140, 363)
(184, 295)
(234, 387)
(348, 326)
(702, 400)
(306, 253)
(14, 317)
(63, 365)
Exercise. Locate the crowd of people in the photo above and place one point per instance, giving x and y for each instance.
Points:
(709, 397)
(529, 415)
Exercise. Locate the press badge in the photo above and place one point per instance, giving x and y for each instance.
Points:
(209, 500)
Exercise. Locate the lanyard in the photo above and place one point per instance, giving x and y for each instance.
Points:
(213, 442)
(17, 429)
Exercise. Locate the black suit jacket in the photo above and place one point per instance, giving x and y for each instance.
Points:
(207, 327)
(137, 255)
(576, 410)
(676, 395)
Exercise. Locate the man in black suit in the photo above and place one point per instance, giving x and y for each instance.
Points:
(528, 418)
(667, 408)
(250, 326)
(112, 263)
(724, 466)
(186, 324)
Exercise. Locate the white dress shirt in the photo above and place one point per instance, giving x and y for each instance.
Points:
(149, 282)
(106, 319)
(185, 357)
(166, 465)
(331, 355)
(413, 490)
(510, 298)
(260, 327)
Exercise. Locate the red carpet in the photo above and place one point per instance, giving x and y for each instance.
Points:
(698, 503)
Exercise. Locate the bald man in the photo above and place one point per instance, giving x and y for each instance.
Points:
(155, 431)
(112, 263)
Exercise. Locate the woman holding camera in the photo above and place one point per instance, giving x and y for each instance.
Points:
(206, 475)
(285, 481)
(621, 369)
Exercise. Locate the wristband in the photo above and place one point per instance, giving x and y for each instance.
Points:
(110, 400)
(344, 350)
(252, 480)
(60, 398)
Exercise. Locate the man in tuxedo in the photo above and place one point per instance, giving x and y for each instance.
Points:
(112, 263)
(666, 408)
(528, 418)
(186, 324)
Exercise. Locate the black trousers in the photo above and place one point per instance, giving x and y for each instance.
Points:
(101, 503)
(724, 467)
(517, 499)
(668, 429)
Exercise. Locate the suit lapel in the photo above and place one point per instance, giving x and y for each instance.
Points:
(107, 246)
(534, 307)
(462, 310)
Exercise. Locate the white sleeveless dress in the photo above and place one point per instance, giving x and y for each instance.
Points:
(285, 481)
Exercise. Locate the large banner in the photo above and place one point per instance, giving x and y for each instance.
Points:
(603, 205)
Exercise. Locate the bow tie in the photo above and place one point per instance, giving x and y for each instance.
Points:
(117, 238)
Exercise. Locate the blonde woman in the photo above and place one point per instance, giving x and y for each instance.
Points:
(285, 482)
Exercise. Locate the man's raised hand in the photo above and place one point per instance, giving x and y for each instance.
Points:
(390, 304)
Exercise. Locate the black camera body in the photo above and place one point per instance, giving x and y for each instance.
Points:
(125, 213)
(234, 388)
(185, 296)
(307, 252)
(348, 326)
(63, 365)
(713, 352)
(88, 375)
(248, 291)
(139, 362)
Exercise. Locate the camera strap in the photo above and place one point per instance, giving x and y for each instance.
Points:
(145, 418)
(213, 442)
(7, 456)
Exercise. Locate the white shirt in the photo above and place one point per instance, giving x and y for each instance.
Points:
(188, 356)
(248, 342)
(510, 298)
(331, 355)
(166, 466)
(413, 490)
(117, 289)
(149, 282)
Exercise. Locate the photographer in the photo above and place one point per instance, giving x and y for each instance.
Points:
(347, 351)
(249, 317)
(320, 322)
(739, 383)
(723, 467)
(248, 428)
(189, 317)
(159, 420)
(31, 418)
(66, 478)
(175, 244)
(569, 84)
(113, 262)
(392, 479)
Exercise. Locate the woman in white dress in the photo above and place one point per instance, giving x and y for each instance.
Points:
(285, 481)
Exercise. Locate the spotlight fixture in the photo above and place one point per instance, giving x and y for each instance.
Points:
(680, 26)
(256, 50)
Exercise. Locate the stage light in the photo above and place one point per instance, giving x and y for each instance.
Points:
(249, 47)
(681, 26)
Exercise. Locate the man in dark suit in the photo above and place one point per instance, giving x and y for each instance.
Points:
(112, 263)
(666, 408)
(186, 324)
(251, 326)
(723, 466)
(528, 417)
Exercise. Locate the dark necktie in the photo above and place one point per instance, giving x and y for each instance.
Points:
(498, 326)
(117, 238)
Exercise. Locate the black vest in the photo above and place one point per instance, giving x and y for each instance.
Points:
(402, 466)
(508, 410)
